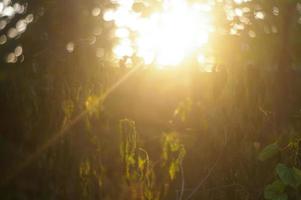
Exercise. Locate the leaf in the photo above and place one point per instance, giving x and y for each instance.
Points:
(281, 197)
(92, 103)
(274, 191)
(286, 175)
(268, 152)
(297, 175)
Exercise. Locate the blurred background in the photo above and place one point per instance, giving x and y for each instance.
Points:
(150, 99)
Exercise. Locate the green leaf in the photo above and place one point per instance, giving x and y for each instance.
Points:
(281, 197)
(286, 175)
(297, 175)
(275, 191)
(268, 152)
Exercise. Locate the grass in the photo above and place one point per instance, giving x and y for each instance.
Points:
(220, 120)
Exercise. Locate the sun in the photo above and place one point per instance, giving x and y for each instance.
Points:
(164, 37)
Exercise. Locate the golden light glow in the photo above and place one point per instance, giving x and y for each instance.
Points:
(164, 37)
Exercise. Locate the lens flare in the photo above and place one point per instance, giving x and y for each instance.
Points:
(165, 36)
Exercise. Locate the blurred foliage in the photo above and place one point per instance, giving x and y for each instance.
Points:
(67, 66)
(140, 171)
(172, 148)
(268, 152)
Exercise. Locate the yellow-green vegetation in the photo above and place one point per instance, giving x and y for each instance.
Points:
(150, 100)
(140, 171)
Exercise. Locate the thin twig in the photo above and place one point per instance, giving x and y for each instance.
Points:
(204, 179)
(209, 172)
